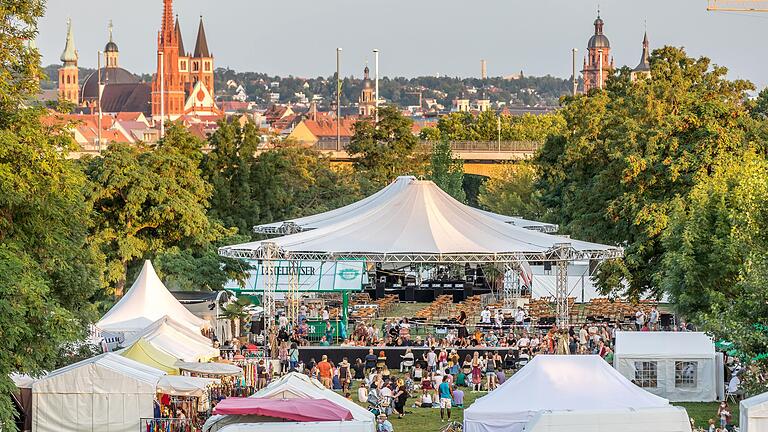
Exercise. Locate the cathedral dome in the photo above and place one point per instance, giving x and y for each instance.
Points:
(111, 47)
(598, 41)
(112, 75)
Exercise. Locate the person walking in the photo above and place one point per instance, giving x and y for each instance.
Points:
(345, 375)
(325, 371)
(446, 398)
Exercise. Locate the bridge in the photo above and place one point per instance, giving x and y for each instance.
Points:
(480, 157)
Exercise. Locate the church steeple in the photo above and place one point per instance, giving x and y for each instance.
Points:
(69, 87)
(182, 52)
(201, 45)
(643, 69)
(110, 50)
(168, 56)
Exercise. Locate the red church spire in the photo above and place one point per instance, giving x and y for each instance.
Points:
(168, 66)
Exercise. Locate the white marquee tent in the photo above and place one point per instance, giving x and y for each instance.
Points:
(147, 301)
(419, 223)
(753, 414)
(383, 198)
(557, 393)
(105, 393)
(680, 366)
(291, 386)
(176, 339)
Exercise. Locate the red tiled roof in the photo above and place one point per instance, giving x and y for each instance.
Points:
(327, 128)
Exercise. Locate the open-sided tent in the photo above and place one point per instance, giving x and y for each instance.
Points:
(680, 366)
(177, 340)
(420, 223)
(296, 386)
(105, 393)
(146, 353)
(567, 385)
(753, 414)
(383, 198)
(147, 301)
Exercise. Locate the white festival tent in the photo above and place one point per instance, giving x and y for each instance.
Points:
(383, 198)
(105, 393)
(679, 366)
(147, 301)
(420, 223)
(176, 339)
(292, 386)
(558, 393)
(753, 414)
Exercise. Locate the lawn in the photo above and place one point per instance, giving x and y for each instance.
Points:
(428, 419)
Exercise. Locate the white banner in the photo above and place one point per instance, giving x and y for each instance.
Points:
(313, 276)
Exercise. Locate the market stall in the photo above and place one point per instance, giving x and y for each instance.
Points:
(174, 338)
(555, 393)
(753, 414)
(146, 301)
(146, 353)
(679, 366)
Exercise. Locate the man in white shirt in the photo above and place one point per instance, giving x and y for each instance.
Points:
(485, 316)
(499, 318)
(519, 316)
(639, 319)
(431, 359)
(583, 335)
(326, 315)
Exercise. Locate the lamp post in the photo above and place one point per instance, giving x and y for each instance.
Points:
(376, 72)
(98, 103)
(575, 82)
(338, 99)
(162, 94)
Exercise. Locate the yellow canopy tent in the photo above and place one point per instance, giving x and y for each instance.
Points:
(146, 353)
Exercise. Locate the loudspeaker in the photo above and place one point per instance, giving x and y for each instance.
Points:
(547, 265)
(380, 290)
(410, 293)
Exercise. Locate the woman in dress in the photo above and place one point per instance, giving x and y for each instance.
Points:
(462, 321)
(477, 372)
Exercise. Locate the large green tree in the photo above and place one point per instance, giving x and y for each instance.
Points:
(447, 171)
(47, 269)
(628, 151)
(385, 150)
(146, 201)
(715, 266)
(513, 192)
(229, 168)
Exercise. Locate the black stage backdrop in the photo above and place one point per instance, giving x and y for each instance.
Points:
(336, 353)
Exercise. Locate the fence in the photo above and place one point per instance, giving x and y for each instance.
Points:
(458, 146)
(169, 425)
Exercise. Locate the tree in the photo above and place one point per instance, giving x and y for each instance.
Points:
(628, 151)
(715, 267)
(513, 193)
(148, 201)
(236, 313)
(295, 181)
(385, 150)
(446, 171)
(229, 168)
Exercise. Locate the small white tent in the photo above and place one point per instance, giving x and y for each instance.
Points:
(680, 366)
(551, 390)
(291, 386)
(104, 393)
(176, 339)
(147, 301)
(753, 414)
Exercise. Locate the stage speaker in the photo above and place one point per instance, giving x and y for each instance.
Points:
(380, 290)
(547, 265)
(410, 293)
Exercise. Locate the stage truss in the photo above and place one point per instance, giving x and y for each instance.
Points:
(560, 255)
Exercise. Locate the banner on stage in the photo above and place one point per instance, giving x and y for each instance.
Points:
(312, 276)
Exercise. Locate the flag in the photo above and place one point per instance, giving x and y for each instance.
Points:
(526, 273)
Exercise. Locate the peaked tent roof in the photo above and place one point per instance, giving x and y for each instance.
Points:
(201, 45)
(300, 410)
(558, 383)
(419, 223)
(664, 344)
(177, 340)
(147, 301)
(146, 353)
(379, 199)
(753, 413)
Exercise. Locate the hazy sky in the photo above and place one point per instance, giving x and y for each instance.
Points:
(416, 37)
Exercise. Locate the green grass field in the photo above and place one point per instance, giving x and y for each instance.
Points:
(428, 419)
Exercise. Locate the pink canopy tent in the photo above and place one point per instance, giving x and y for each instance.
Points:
(289, 409)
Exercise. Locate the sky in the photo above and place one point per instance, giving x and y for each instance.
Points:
(415, 37)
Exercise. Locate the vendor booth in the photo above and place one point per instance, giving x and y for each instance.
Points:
(146, 353)
(147, 301)
(679, 366)
(557, 393)
(339, 413)
(753, 414)
(177, 340)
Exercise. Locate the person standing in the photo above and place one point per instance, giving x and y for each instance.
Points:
(485, 316)
(639, 319)
(462, 321)
(653, 319)
(345, 374)
(477, 373)
(446, 398)
(370, 361)
(325, 371)
(400, 398)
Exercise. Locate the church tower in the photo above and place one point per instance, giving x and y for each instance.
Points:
(202, 60)
(69, 87)
(183, 58)
(111, 53)
(168, 68)
(643, 69)
(367, 101)
(598, 64)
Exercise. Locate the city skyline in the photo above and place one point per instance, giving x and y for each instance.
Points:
(446, 38)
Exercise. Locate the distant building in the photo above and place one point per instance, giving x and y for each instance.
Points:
(598, 63)
(367, 101)
(69, 87)
(461, 104)
(322, 132)
(643, 69)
